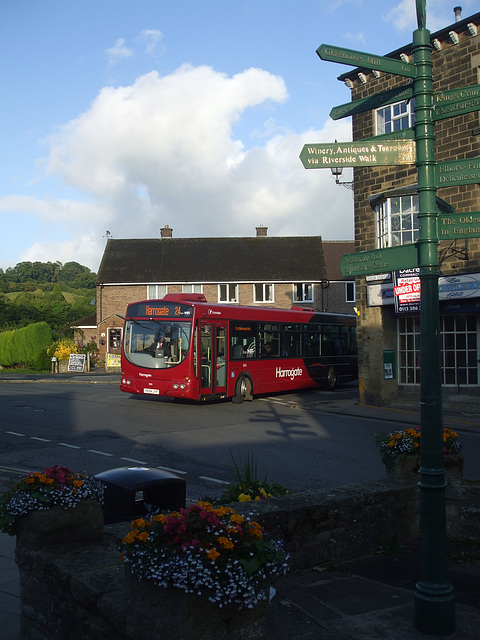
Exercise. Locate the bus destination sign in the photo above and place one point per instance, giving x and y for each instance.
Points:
(364, 153)
(156, 309)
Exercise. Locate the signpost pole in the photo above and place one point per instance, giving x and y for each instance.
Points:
(434, 597)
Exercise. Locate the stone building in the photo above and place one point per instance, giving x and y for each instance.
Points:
(386, 214)
(261, 270)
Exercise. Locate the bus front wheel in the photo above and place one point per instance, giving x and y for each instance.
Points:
(332, 380)
(243, 390)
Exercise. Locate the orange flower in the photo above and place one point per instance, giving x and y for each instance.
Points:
(213, 554)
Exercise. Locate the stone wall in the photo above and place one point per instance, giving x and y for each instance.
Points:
(78, 590)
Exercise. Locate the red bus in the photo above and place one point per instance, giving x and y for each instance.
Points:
(184, 347)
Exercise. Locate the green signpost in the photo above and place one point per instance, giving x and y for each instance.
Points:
(456, 101)
(455, 226)
(367, 60)
(434, 596)
(364, 263)
(372, 102)
(455, 172)
(366, 153)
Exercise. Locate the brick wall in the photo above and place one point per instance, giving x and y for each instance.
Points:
(454, 66)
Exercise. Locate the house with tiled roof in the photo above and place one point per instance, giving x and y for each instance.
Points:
(259, 270)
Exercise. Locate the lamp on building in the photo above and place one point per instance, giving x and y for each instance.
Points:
(336, 173)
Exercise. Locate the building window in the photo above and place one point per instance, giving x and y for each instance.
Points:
(458, 335)
(350, 295)
(394, 117)
(409, 350)
(156, 291)
(303, 292)
(397, 221)
(459, 349)
(192, 288)
(228, 292)
(263, 292)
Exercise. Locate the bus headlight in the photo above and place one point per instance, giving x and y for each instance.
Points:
(126, 381)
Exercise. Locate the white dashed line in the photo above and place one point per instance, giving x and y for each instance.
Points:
(100, 453)
(14, 433)
(213, 480)
(172, 470)
(70, 446)
(39, 439)
(134, 461)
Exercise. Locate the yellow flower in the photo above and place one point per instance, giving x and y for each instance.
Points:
(143, 537)
(225, 542)
(212, 554)
(243, 497)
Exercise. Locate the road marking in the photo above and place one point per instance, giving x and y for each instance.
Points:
(14, 433)
(39, 439)
(100, 453)
(213, 480)
(172, 470)
(133, 460)
(70, 446)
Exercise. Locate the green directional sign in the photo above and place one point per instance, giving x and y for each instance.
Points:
(364, 153)
(402, 134)
(365, 263)
(455, 226)
(367, 60)
(456, 101)
(372, 102)
(455, 172)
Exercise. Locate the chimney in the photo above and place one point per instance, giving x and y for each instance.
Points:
(458, 14)
(166, 232)
(262, 231)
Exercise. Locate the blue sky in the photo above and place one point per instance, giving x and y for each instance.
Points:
(126, 115)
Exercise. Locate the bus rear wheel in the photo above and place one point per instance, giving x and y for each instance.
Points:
(332, 380)
(243, 390)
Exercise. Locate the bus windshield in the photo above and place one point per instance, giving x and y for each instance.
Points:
(156, 344)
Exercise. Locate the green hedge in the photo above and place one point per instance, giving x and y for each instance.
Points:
(27, 346)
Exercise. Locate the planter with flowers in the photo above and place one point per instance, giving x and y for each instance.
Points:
(53, 507)
(400, 451)
(210, 568)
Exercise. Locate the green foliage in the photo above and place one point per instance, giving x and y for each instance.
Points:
(248, 485)
(26, 346)
(49, 292)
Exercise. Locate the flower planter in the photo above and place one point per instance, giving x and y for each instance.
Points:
(404, 469)
(177, 615)
(56, 525)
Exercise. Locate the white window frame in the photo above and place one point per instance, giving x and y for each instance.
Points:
(156, 291)
(306, 291)
(350, 287)
(192, 288)
(394, 117)
(267, 292)
(397, 221)
(228, 293)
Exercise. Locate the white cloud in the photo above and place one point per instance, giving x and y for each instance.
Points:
(118, 52)
(161, 151)
(150, 38)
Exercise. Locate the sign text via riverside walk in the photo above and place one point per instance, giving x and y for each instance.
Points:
(357, 154)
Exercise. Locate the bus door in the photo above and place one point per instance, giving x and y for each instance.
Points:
(212, 362)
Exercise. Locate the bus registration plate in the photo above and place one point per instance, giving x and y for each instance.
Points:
(154, 392)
